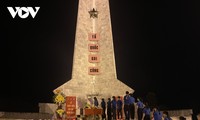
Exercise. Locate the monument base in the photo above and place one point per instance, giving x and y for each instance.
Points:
(101, 88)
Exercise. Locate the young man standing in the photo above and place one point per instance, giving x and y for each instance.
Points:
(119, 108)
(126, 106)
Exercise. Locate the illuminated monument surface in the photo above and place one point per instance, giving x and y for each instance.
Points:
(94, 70)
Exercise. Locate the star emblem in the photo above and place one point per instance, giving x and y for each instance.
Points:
(93, 13)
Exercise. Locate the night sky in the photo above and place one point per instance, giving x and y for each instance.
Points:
(156, 50)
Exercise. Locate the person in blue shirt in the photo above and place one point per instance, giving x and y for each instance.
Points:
(132, 106)
(157, 115)
(96, 103)
(114, 107)
(140, 107)
(166, 115)
(119, 108)
(126, 106)
(103, 106)
(146, 112)
(109, 109)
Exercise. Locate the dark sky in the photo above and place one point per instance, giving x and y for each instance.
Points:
(156, 50)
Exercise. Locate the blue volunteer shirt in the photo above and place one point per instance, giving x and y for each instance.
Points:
(126, 100)
(147, 111)
(119, 104)
(103, 104)
(140, 104)
(109, 105)
(157, 115)
(132, 100)
(114, 104)
(96, 103)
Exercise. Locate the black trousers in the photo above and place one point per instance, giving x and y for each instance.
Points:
(114, 114)
(126, 112)
(147, 117)
(132, 111)
(104, 114)
(109, 114)
(140, 113)
(119, 113)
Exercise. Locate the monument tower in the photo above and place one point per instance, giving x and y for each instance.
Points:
(94, 69)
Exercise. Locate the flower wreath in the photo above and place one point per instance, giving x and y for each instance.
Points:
(60, 112)
(59, 98)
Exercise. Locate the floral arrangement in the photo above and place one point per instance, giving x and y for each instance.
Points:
(60, 112)
(60, 99)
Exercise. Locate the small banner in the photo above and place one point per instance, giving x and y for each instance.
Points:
(93, 47)
(93, 36)
(94, 58)
(71, 108)
(93, 70)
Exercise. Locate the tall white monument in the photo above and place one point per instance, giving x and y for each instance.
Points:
(94, 70)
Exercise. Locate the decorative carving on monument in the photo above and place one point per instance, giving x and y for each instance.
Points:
(93, 13)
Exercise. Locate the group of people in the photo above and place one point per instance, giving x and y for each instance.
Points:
(127, 107)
